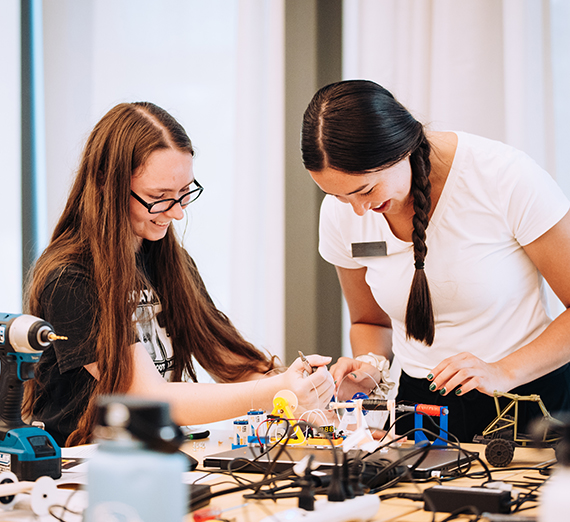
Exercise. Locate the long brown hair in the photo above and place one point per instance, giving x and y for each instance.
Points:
(357, 126)
(95, 232)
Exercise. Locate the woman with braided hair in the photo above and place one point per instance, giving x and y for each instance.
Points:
(442, 243)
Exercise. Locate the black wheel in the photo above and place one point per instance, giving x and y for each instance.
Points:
(499, 453)
(7, 500)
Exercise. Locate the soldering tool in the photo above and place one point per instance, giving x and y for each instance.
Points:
(306, 364)
(28, 451)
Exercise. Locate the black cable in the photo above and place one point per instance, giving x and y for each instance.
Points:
(335, 491)
(409, 496)
(462, 511)
(256, 485)
(64, 508)
(408, 470)
(384, 471)
(267, 470)
(273, 493)
(266, 480)
(287, 434)
(238, 489)
(471, 455)
(531, 496)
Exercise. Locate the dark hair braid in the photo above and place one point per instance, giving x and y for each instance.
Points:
(419, 312)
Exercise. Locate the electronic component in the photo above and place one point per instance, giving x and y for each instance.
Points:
(450, 498)
(198, 496)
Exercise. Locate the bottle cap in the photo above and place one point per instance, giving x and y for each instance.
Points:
(147, 420)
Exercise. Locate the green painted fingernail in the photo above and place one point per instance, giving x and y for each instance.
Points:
(459, 391)
(432, 386)
(430, 377)
(354, 375)
(442, 391)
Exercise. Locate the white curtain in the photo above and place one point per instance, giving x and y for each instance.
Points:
(497, 68)
(258, 229)
(10, 164)
(217, 67)
(560, 51)
(482, 66)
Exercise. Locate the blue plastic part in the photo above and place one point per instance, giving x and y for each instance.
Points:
(17, 442)
(363, 396)
(255, 439)
(25, 358)
(420, 436)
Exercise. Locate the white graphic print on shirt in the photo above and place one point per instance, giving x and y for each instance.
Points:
(152, 335)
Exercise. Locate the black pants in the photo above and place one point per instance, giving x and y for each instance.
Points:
(471, 413)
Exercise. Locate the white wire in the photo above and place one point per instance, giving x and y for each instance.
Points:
(376, 384)
(268, 373)
(318, 412)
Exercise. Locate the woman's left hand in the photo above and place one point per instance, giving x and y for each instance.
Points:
(465, 372)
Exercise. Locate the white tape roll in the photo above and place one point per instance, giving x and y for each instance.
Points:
(44, 495)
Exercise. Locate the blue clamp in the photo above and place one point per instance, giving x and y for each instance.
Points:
(435, 411)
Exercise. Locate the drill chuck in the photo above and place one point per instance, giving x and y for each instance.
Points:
(25, 333)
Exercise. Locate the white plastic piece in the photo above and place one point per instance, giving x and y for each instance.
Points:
(502, 486)
(19, 334)
(361, 439)
(300, 467)
(10, 487)
(354, 509)
(352, 418)
(555, 501)
(44, 495)
(290, 397)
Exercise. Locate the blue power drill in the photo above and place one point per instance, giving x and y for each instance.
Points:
(28, 451)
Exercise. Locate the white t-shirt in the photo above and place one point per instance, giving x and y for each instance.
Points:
(488, 296)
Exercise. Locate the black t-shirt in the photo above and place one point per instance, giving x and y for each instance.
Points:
(69, 303)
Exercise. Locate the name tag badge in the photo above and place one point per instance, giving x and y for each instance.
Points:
(372, 249)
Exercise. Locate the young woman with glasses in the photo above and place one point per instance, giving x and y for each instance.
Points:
(117, 282)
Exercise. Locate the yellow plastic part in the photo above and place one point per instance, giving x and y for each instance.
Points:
(284, 404)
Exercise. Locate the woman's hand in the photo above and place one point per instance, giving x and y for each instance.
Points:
(352, 376)
(313, 391)
(464, 372)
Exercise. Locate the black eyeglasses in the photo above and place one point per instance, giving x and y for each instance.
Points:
(164, 205)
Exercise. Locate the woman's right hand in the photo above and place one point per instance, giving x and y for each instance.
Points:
(313, 391)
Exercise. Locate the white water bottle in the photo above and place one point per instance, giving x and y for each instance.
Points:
(555, 497)
(136, 473)
(554, 502)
